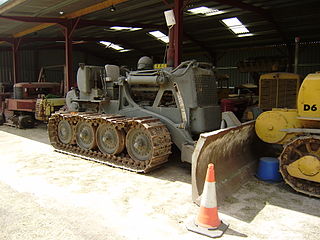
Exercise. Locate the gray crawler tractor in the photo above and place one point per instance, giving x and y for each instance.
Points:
(131, 120)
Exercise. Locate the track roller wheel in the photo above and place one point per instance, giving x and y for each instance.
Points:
(109, 139)
(85, 135)
(139, 144)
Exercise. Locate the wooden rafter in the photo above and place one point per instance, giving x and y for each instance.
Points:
(75, 14)
(10, 5)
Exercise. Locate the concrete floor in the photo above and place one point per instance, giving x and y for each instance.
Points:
(48, 195)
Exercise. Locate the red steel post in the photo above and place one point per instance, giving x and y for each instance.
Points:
(170, 52)
(68, 55)
(15, 60)
(178, 28)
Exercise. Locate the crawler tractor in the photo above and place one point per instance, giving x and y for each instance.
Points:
(19, 111)
(131, 121)
(298, 130)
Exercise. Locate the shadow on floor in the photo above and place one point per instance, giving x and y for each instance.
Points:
(38, 133)
(255, 195)
(173, 170)
(232, 232)
(244, 204)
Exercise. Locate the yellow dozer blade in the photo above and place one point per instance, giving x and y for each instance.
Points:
(234, 152)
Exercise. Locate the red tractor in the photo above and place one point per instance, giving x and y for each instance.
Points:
(19, 111)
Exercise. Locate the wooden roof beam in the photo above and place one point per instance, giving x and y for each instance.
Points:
(86, 23)
(10, 5)
(75, 14)
(33, 19)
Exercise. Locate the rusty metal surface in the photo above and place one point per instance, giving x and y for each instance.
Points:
(159, 134)
(27, 105)
(233, 151)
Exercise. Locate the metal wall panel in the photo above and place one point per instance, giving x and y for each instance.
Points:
(27, 71)
(26, 66)
(57, 57)
(309, 60)
(5, 66)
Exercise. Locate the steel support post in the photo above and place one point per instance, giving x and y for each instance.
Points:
(296, 54)
(178, 31)
(170, 52)
(68, 56)
(69, 28)
(15, 59)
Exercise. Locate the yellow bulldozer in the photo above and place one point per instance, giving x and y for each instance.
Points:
(298, 130)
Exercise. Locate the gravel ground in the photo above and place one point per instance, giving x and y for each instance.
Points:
(48, 195)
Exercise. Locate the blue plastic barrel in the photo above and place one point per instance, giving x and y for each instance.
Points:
(268, 169)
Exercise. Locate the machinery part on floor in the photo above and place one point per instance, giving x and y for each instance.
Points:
(234, 152)
(300, 164)
(83, 146)
(298, 130)
(46, 106)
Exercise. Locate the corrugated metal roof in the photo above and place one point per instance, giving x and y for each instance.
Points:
(271, 22)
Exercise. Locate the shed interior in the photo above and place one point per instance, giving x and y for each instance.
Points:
(268, 33)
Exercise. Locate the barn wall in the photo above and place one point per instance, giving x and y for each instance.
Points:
(226, 62)
(31, 61)
(309, 61)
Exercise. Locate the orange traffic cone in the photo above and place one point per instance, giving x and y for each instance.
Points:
(208, 222)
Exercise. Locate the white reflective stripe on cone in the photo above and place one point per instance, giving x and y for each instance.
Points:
(209, 197)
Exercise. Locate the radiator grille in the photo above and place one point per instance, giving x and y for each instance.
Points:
(206, 89)
(278, 93)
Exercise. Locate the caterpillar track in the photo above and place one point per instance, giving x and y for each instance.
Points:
(300, 147)
(135, 144)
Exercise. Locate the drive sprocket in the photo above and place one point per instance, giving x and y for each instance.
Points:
(298, 148)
